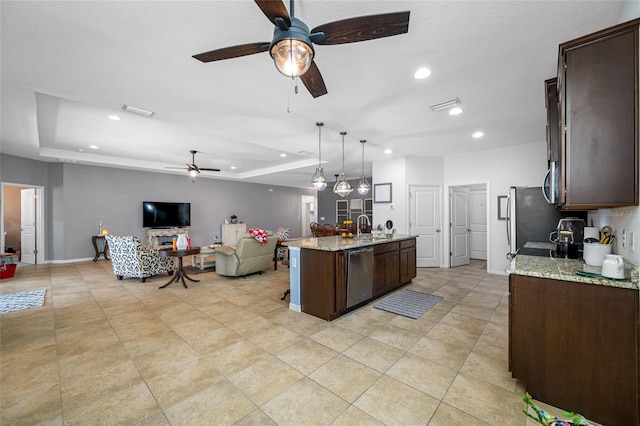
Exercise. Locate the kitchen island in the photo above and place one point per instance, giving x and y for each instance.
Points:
(319, 271)
(574, 340)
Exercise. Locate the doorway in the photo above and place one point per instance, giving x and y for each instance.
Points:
(468, 224)
(309, 214)
(21, 221)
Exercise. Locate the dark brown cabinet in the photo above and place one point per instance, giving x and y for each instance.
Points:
(598, 119)
(576, 346)
(323, 291)
(407, 261)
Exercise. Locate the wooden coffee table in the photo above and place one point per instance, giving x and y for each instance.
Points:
(180, 274)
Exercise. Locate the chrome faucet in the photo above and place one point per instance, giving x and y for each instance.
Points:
(358, 223)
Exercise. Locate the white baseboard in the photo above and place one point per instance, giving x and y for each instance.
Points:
(295, 307)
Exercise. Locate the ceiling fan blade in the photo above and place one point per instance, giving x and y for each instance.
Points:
(208, 170)
(273, 9)
(176, 168)
(363, 28)
(313, 81)
(233, 51)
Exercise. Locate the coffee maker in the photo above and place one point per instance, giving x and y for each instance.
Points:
(568, 237)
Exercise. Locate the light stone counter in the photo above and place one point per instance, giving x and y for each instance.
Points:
(565, 269)
(338, 243)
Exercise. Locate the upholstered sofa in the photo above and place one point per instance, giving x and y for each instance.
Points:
(247, 257)
(130, 258)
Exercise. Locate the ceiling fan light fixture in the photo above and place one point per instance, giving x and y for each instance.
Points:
(193, 173)
(342, 187)
(292, 49)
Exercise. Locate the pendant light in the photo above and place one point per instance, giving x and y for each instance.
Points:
(363, 185)
(319, 180)
(342, 187)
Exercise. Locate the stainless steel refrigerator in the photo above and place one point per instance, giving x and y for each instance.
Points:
(530, 219)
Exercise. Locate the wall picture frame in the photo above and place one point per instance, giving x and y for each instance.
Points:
(382, 193)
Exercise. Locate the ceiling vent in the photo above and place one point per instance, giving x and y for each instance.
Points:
(305, 153)
(139, 111)
(446, 105)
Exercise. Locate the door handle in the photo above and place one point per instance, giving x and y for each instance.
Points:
(437, 230)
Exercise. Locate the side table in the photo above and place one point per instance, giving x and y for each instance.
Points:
(197, 260)
(180, 274)
(105, 248)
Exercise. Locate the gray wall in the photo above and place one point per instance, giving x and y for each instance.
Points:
(327, 200)
(77, 195)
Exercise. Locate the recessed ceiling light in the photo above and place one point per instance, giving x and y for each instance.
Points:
(80, 150)
(114, 117)
(455, 111)
(422, 73)
(478, 134)
(233, 167)
(387, 151)
(93, 146)
(283, 155)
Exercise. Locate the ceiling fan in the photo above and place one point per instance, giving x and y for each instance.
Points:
(292, 45)
(192, 168)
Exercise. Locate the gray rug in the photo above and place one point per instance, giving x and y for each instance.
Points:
(19, 301)
(409, 303)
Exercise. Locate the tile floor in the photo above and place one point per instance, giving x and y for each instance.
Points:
(228, 351)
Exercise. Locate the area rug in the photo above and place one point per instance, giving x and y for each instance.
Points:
(19, 301)
(408, 303)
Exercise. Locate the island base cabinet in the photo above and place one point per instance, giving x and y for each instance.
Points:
(323, 290)
(575, 346)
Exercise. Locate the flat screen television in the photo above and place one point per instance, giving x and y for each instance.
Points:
(165, 215)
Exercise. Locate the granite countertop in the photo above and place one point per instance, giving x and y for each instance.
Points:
(337, 243)
(565, 269)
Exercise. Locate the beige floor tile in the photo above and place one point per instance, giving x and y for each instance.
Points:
(76, 366)
(183, 382)
(255, 418)
(277, 339)
(489, 369)
(419, 326)
(25, 381)
(236, 356)
(212, 339)
(485, 401)
(494, 341)
(221, 404)
(395, 336)
(439, 351)
(337, 338)
(127, 406)
(345, 377)
(99, 384)
(265, 379)
(473, 325)
(305, 403)
(394, 403)
(165, 359)
(355, 417)
(455, 336)
(306, 355)
(424, 375)
(447, 415)
(42, 406)
(374, 354)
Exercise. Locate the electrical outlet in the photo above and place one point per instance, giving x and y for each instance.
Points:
(632, 241)
(215, 238)
(294, 262)
(624, 238)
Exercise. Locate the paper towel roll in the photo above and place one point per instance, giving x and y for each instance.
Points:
(591, 232)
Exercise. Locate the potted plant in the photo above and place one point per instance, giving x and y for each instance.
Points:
(234, 218)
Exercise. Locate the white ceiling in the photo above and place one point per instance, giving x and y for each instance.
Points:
(67, 65)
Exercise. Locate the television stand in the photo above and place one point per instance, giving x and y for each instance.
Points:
(154, 235)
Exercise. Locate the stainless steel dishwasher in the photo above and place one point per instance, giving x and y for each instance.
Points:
(359, 275)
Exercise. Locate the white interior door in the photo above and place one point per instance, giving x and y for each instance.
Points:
(309, 214)
(28, 225)
(478, 224)
(460, 226)
(424, 221)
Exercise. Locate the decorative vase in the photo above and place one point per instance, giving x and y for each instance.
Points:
(181, 243)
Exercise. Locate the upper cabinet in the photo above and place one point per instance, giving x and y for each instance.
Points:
(553, 127)
(598, 119)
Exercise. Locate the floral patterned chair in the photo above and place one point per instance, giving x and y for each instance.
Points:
(130, 258)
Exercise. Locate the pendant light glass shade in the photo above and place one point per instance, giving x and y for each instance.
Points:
(363, 185)
(318, 180)
(342, 187)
